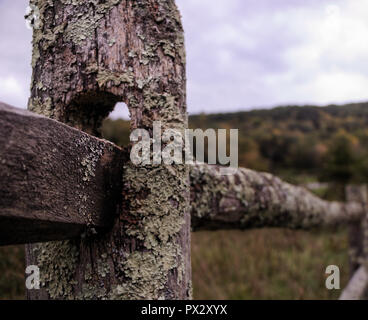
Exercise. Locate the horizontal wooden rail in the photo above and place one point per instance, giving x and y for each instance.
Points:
(250, 199)
(56, 181)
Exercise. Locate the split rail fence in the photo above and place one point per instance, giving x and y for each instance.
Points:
(97, 226)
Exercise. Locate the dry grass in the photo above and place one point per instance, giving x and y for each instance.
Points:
(267, 264)
(12, 268)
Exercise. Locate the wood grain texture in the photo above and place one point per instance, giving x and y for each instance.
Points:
(55, 180)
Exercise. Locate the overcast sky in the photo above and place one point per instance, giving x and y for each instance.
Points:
(242, 54)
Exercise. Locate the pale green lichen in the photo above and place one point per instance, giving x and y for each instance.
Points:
(85, 23)
(103, 268)
(161, 214)
(170, 13)
(88, 272)
(91, 292)
(158, 230)
(168, 47)
(44, 38)
(104, 76)
(173, 45)
(216, 188)
(80, 28)
(141, 83)
(148, 272)
(165, 103)
(148, 54)
(89, 162)
(41, 107)
(252, 199)
(111, 42)
(132, 54)
(40, 86)
(180, 47)
(57, 262)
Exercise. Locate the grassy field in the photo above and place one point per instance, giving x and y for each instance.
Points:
(255, 264)
(267, 264)
(12, 268)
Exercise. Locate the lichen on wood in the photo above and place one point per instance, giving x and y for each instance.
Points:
(87, 56)
(250, 199)
(58, 276)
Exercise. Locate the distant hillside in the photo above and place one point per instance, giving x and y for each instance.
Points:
(329, 143)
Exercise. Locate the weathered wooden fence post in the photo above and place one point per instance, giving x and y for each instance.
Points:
(358, 246)
(129, 225)
(87, 56)
(357, 193)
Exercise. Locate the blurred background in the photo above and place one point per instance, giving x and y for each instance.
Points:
(292, 76)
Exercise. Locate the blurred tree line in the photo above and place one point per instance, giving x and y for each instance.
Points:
(297, 143)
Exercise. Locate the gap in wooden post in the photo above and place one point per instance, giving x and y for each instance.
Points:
(116, 126)
(88, 110)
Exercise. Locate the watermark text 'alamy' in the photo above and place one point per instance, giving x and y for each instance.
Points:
(173, 146)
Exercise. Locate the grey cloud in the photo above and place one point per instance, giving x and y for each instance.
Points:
(15, 50)
(239, 53)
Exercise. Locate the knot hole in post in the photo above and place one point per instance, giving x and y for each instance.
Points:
(88, 110)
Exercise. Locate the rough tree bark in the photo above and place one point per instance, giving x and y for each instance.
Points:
(88, 55)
